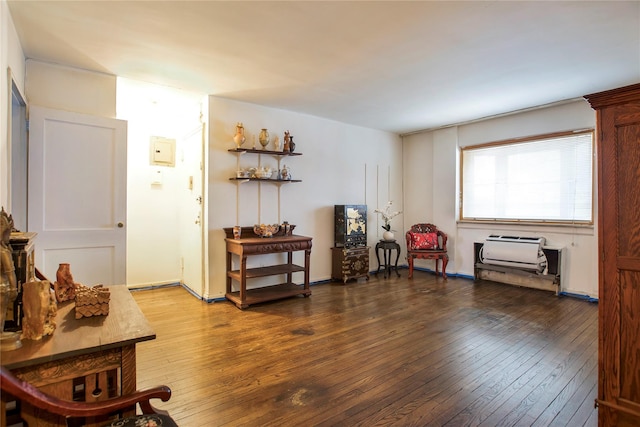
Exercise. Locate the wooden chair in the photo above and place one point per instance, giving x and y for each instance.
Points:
(425, 241)
(55, 410)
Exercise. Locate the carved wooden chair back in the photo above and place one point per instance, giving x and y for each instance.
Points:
(427, 228)
(58, 411)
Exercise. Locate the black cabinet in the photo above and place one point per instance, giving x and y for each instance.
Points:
(22, 252)
(350, 226)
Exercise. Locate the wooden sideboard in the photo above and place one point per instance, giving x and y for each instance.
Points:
(252, 246)
(86, 359)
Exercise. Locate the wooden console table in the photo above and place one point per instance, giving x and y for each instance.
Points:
(86, 359)
(250, 246)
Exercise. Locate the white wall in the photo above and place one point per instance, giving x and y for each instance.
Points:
(438, 152)
(340, 164)
(153, 219)
(70, 89)
(11, 56)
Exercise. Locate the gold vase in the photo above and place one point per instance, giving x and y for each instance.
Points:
(264, 138)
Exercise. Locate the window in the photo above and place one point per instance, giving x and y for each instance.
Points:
(546, 178)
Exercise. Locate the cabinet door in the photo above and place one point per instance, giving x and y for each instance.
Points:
(619, 245)
(357, 262)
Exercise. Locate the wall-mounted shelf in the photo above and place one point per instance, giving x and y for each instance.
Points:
(279, 155)
(265, 180)
(270, 152)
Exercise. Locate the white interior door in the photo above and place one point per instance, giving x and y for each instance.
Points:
(192, 216)
(77, 194)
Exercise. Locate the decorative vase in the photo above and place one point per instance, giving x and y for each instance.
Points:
(292, 145)
(64, 287)
(264, 138)
(239, 138)
(63, 274)
(388, 236)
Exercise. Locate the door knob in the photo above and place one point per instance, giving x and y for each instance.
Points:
(120, 225)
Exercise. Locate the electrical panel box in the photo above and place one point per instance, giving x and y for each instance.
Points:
(163, 151)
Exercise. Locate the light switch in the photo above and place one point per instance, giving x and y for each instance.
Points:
(156, 177)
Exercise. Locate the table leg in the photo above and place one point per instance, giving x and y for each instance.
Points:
(290, 261)
(397, 258)
(378, 257)
(228, 269)
(387, 262)
(243, 280)
(128, 374)
(307, 259)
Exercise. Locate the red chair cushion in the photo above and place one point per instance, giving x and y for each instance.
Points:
(421, 241)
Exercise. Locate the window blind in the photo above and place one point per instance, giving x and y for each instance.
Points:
(540, 179)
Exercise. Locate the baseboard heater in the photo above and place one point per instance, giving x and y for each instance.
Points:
(521, 261)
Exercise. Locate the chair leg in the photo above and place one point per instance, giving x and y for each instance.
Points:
(445, 261)
(410, 259)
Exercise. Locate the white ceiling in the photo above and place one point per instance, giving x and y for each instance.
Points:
(390, 65)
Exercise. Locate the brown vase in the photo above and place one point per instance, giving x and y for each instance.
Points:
(64, 287)
(63, 275)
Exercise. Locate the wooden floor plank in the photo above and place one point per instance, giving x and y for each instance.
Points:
(391, 352)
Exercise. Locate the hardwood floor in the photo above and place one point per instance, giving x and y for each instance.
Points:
(387, 352)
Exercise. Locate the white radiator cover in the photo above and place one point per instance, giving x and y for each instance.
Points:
(517, 252)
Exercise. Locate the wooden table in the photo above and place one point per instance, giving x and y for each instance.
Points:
(251, 246)
(83, 355)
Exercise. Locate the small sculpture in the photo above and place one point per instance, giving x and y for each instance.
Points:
(287, 139)
(8, 281)
(239, 138)
(40, 308)
(285, 173)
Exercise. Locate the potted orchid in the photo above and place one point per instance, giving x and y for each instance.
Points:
(387, 216)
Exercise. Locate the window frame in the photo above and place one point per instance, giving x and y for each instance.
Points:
(529, 139)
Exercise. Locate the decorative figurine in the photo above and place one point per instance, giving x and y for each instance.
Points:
(285, 173)
(286, 141)
(40, 309)
(8, 282)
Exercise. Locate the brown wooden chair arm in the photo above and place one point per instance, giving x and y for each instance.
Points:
(444, 240)
(26, 392)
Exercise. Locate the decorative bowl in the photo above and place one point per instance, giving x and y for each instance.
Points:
(243, 174)
(264, 173)
(266, 230)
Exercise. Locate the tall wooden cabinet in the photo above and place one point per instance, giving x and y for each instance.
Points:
(618, 134)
